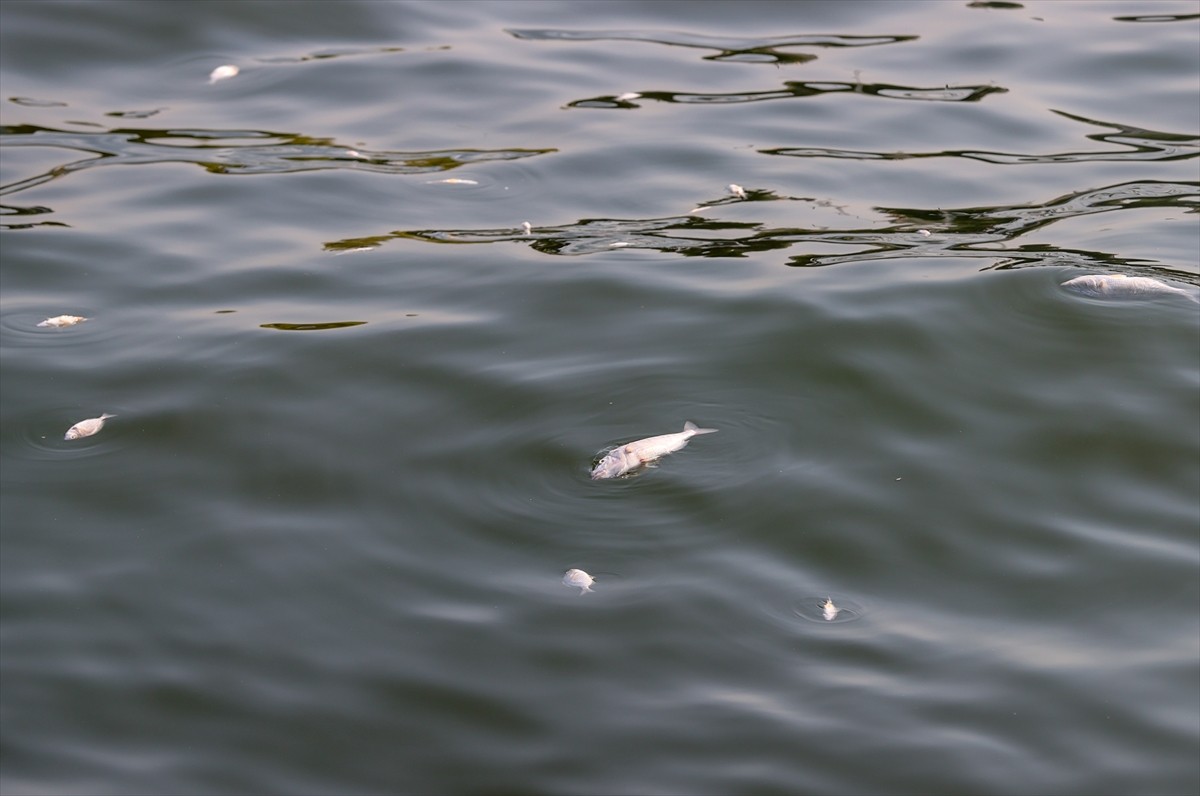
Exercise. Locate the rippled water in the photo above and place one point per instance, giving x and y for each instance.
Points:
(368, 311)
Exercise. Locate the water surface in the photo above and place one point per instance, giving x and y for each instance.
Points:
(320, 548)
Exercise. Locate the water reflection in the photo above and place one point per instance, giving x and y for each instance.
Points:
(234, 152)
(792, 89)
(768, 49)
(986, 232)
(1138, 143)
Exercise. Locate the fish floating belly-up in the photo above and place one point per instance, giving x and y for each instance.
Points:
(829, 610)
(59, 321)
(639, 453)
(1122, 286)
(86, 428)
(579, 579)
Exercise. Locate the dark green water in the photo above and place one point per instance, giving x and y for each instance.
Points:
(320, 548)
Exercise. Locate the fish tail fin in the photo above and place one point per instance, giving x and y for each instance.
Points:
(105, 415)
(690, 426)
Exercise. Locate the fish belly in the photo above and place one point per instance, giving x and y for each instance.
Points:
(651, 448)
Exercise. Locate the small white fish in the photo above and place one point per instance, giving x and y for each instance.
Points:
(924, 233)
(621, 244)
(737, 190)
(86, 428)
(1122, 286)
(59, 321)
(829, 610)
(222, 73)
(628, 95)
(579, 579)
(641, 452)
(525, 225)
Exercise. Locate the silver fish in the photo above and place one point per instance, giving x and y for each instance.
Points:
(829, 610)
(1122, 286)
(641, 452)
(579, 579)
(222, 73)
(86, 428)
(58, 321)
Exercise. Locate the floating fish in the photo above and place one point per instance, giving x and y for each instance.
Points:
(579, 579)
(1122, 286)
(924, 233)
(86, 428)
(641, 452)
(737, 190)
(628, 95)
(829, 610)
(525, 225)
(222, 73)
(59, 321)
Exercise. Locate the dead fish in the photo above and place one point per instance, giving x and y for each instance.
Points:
(59, 321)
(86, 428)
(222, 73)
(737, 190)
(829, 610)
(1122, 286)
(579, 579)
(632, 455)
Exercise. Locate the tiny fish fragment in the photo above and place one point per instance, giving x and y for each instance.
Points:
(829, 610)
(579, 579)
(86, 428)
(737, 190)
(222, 73)
(59, 321)
(1122, 286)
(642, 452)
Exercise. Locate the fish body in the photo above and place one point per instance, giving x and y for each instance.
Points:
(737, 190)
(59, 321)
(829, 610)
(86, 428)
(223, 73)
(632, 455)
(579, 579)
(1122, 286)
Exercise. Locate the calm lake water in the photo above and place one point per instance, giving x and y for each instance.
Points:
(320, 548)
